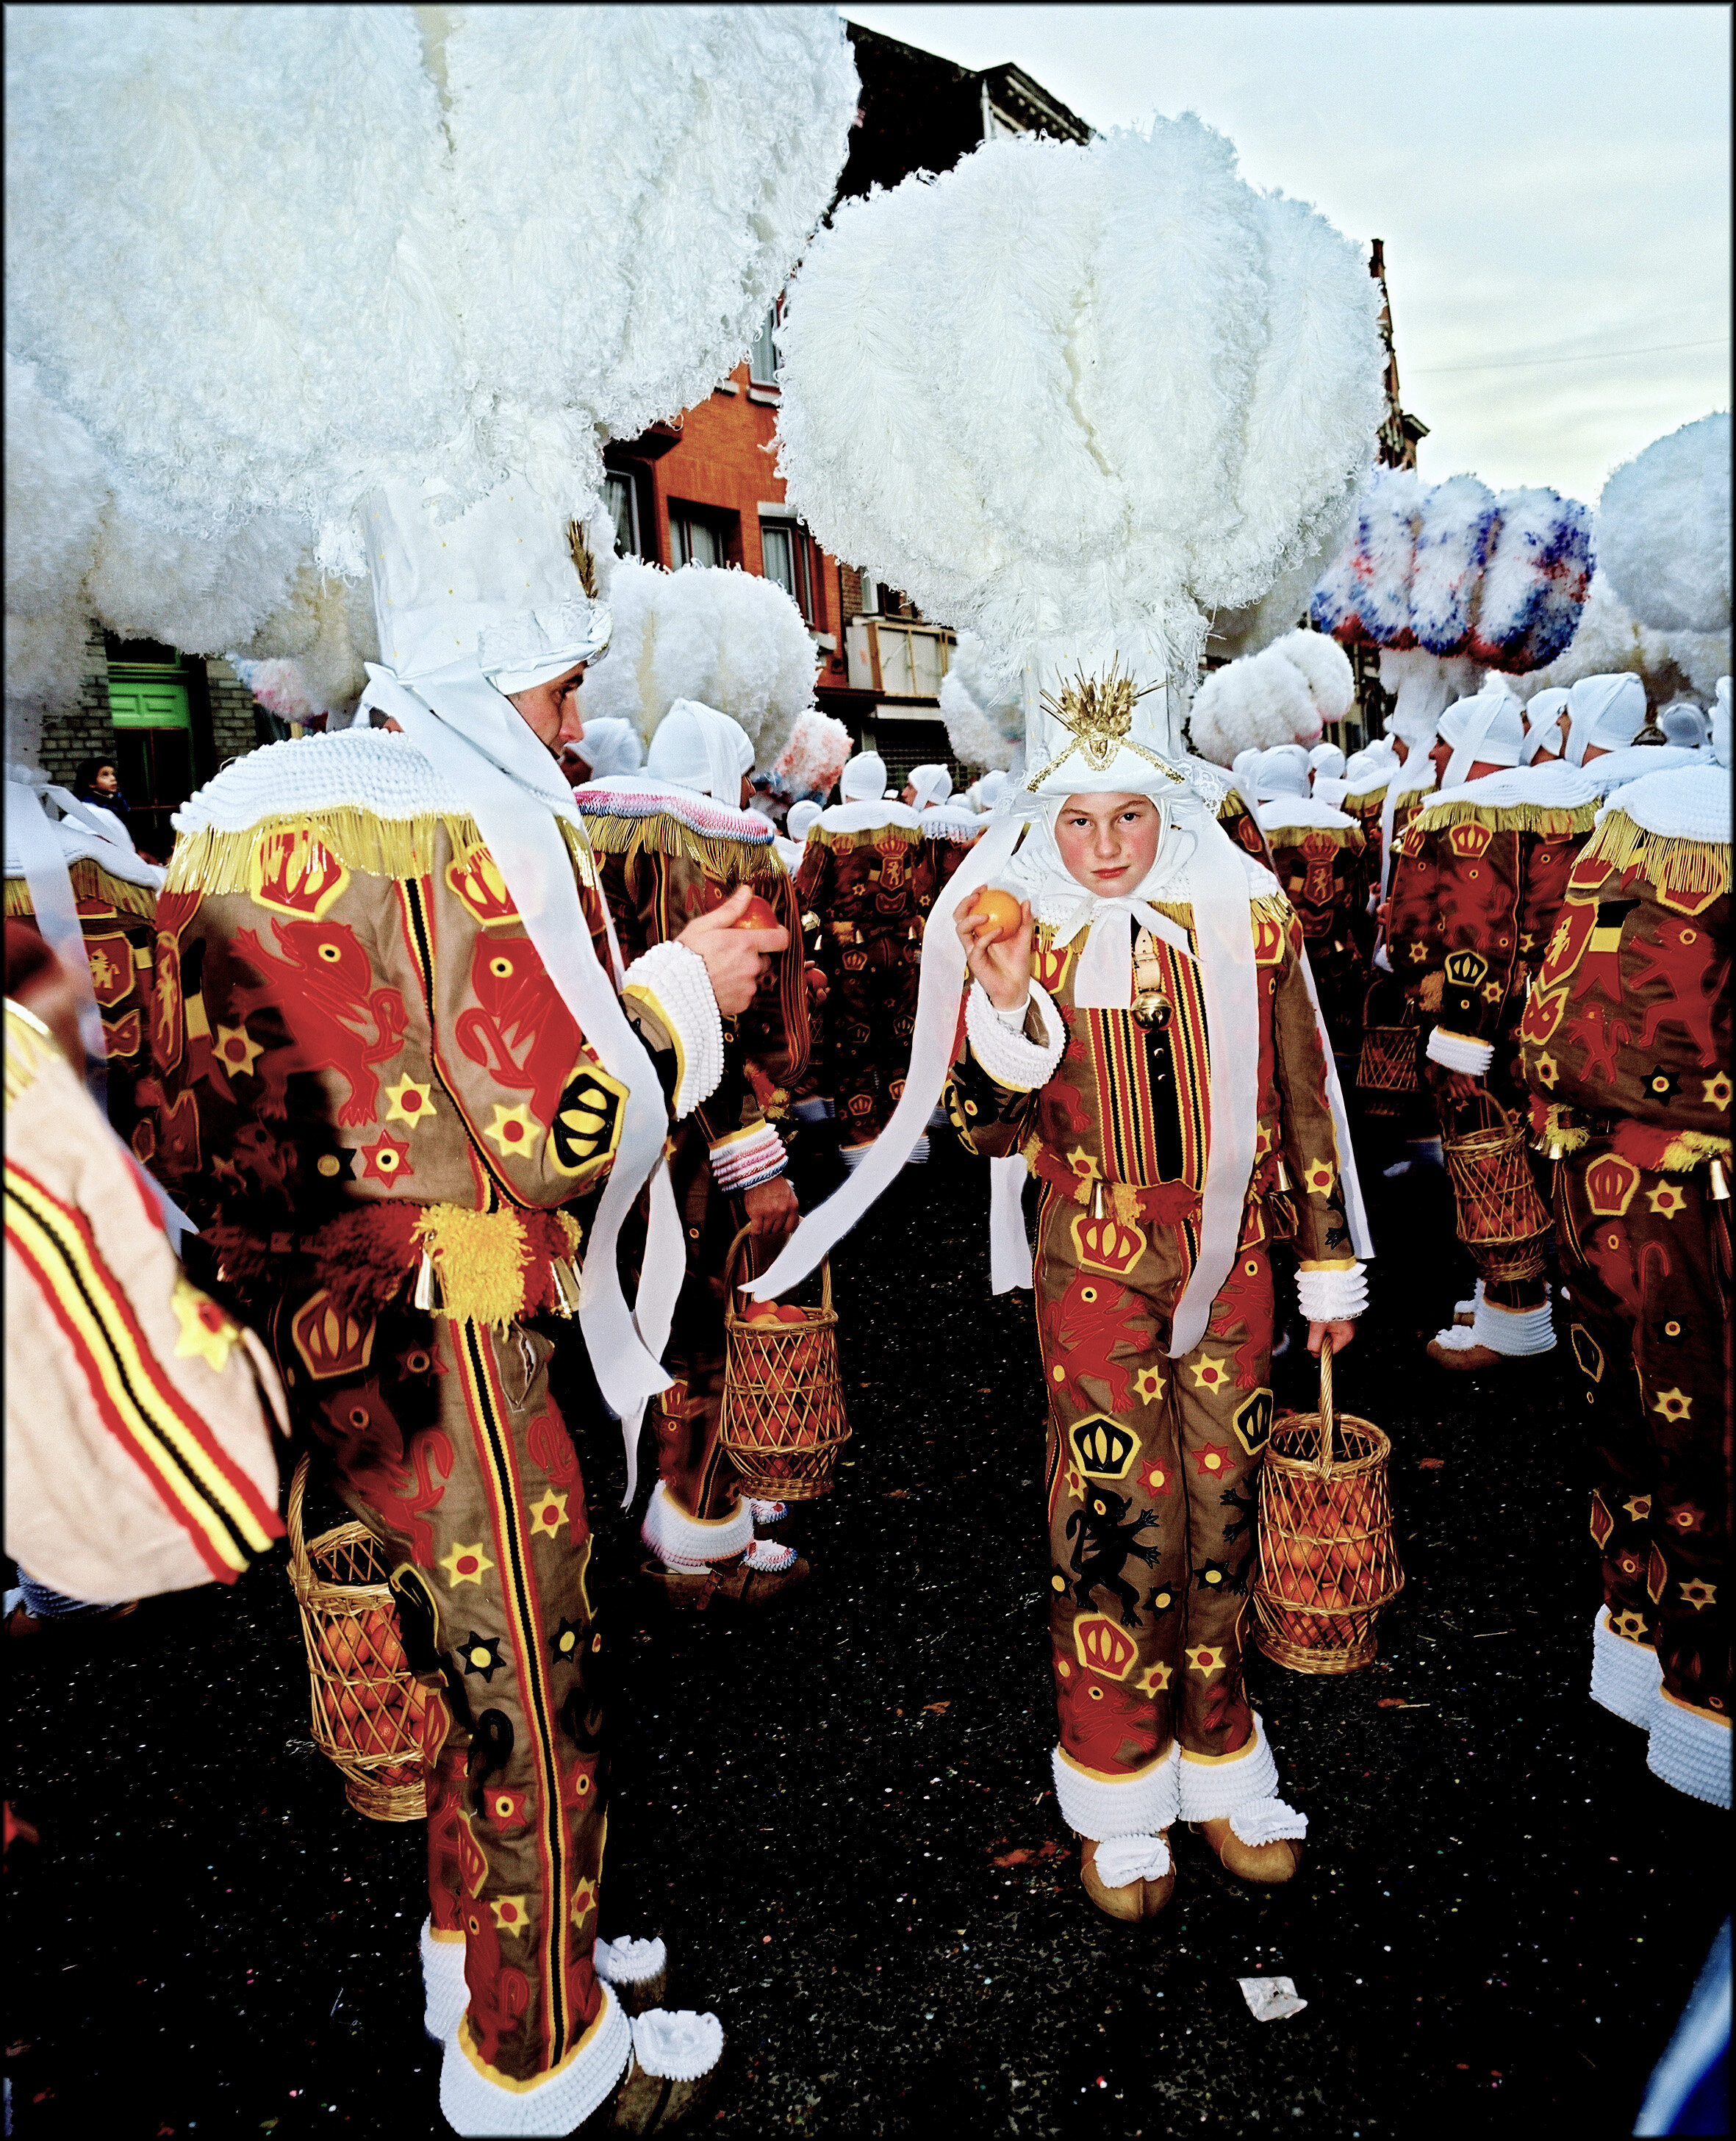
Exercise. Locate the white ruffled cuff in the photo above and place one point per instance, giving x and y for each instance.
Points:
(1214, 1784)
(1101, 1808)
(477, 2100)
(679, 1541)
(1458, 1052)
(1332, 1296)
(1011, 1058)
(747, 1157)
(672, 983)
(674, 2043)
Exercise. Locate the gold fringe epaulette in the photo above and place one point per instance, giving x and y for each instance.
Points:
(1292, 836)
(726, 860)
(1269, 906)
(1552, 820)
(1697, 868)
(870, 836)
(91, 881)
(1365, 800)
(29, 1045)
(213, 862)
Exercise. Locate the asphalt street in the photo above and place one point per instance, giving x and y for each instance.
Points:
(840, 1815)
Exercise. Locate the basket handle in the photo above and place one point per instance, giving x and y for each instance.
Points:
(1323, 1460)
(728, 1276)
(297, 1495)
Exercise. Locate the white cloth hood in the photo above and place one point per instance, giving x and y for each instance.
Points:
(864, 779)
(1328, 759)
(800, 817)
(611, 745)
(933, 783)
(1489, 727)
(1543, 735)
(1608, 712)
(696, 747)
(1283, 771)
(1683, 723)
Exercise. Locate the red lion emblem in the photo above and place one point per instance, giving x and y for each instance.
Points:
(1091, 1318)
(335, 1022)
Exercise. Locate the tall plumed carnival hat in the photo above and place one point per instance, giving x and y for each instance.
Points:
(1072, 398)
(439, 255)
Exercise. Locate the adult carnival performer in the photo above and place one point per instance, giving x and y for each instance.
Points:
(1627, 1045)
(948, 827)
(1317, 856)
(1480, 876)
(1146, 1033)
(671, 844)
(860, 874)
(78, 880)
(410, 1105)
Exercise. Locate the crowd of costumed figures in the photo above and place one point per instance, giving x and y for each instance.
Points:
(466, 1040)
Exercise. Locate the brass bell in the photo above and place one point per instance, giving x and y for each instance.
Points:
(565, 1282)
(1151, 1010)
(1281, 1179)
(427, 1294)
(1098, 1210)
(1720, 1185)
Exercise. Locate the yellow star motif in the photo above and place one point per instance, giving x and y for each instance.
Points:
(1155, 1680)
(207, 1334)
(1207, 1373)
(1147, 1385)
(1493, 992)
(1697, 1594)
(409, 1102)
(1674, 1404)
(1630, 1626)
(1418, 952)
(549, 1514)
(238, 1050)
(510, 1914)
(513, 1133)
(584, 1900)
(1081, 1162)
(1546, 1070)
(465, 1564)
(1202, 1658)
(1716, 1091)
(1637, 1507)
(1319, 1176)
(1667, 1199)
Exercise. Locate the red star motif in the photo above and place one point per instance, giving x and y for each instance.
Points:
(1212, 1460)
(1154, 1479)
(388, 1161)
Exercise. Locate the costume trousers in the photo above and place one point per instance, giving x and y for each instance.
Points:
(1646, 1259)
(870, 1018)
(691, 1462)
(445, 1443)
(1152, 1479)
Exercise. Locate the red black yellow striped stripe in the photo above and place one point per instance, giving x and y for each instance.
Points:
(228, 1520)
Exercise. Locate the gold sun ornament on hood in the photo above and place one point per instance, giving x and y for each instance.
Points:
(1097, 713)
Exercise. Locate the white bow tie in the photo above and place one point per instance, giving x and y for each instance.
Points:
(1104, 981)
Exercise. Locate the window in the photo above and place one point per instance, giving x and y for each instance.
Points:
(762, 363)
(870, 594)
(789, 560)
(622, 494)
(693, 541)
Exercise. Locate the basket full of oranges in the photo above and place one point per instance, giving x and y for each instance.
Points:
(783, 1421)
(1329, 1566)
(369, 1709)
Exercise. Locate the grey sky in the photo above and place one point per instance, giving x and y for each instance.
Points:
(1551, 182)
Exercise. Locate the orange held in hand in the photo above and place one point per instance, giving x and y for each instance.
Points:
(999, 910)
(757, 915)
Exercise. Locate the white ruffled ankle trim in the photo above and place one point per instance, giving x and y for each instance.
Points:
(675, 2044)
(477, 2102)
(1011, 1058)
(629, 1961)
(1100, 1808)
(445, 1993)
(766, 1513)
(918, 1156)
(679, 1541)
(1517, 1332)
(1690, 1751)
(1213, 1785)
(675, 986)
(770, 1557)
(1125, 1859)
(1268, 1821)
(1625, 1676)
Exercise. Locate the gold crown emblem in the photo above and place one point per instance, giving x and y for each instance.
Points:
(1097, 712)
(295, 874)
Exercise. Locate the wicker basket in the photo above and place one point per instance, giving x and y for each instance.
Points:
(1386, 1069)
(367, 1706)
(783, 1419)
(1503, 1221)
(1328, 1563)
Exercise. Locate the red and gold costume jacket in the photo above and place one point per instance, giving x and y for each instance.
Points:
(1627, 1032)
(360, 1058)
(1128, 1107)
(1318, 855)
(1477, 882)
(664, 855)
(948, 836)
(862, 874)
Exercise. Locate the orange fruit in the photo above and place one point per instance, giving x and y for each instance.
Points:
(999, 910)
(757, 915)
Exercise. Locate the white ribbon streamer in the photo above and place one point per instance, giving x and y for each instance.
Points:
(55, 909)
(1010, 1264)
